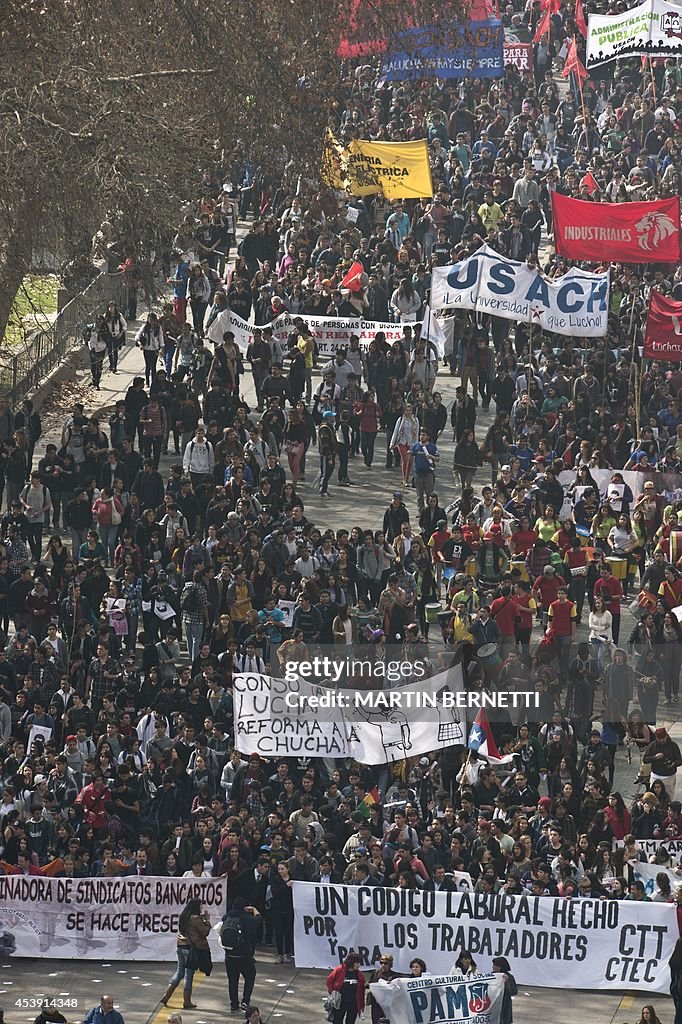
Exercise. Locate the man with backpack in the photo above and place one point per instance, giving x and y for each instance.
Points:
(238, 938)
(198, 459)
(96, 337)
(194, 607)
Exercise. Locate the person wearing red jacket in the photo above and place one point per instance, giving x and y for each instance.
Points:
(349, 981)
(609, 588)
(93, 799)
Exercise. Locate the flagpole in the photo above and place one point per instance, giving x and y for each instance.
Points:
(653, 80)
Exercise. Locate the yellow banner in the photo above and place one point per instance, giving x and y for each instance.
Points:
(399, 170)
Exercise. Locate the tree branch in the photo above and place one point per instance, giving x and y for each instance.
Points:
(173, 73)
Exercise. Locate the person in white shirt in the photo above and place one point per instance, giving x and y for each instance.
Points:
(199, 459)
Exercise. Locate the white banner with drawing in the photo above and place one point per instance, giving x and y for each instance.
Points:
(293, 717)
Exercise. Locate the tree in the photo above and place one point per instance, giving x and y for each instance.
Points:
(121, 110)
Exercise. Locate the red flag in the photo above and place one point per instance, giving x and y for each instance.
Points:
(623, 232)
(580, 22)
(544, 26)
(663, 338)
(591, 182)
(352, 280)
(573, 63)
(553, 5)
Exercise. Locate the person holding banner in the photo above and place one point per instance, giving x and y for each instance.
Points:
(348, 982)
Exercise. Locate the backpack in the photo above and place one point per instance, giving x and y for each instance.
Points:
(232, 934)
(189, 602)
(87, 333)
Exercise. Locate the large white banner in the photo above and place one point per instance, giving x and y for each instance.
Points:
(293, 717)
(646, 874)
(331, 333)
(653, 28)
(550, 942)
(474, 999)
(575, 304)
(130, 918)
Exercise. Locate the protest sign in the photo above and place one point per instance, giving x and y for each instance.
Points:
(654, 29)
(293, 717)
(577, 303)
(624, 232)
(646, 874)
(126, 918)
(331, 333)
(398, 170)
(663, 337)
(519, 54)
(427, 1000)
(649, 847)
(476, 50)
(550, 942)
(39, 732)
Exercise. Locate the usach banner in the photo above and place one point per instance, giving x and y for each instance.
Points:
(663, 338)
(398, 170)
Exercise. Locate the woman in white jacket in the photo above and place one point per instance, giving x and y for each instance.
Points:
(405, 303)
(199, 297)
(405, 434)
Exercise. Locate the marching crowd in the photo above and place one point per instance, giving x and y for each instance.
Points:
(157, 551)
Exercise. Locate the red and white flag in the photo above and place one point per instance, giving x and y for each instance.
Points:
(482, 741)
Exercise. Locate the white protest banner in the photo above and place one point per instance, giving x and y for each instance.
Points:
(331, 333)
(293, 717)
(575, 304)
(474, 999)
(550, 942)
(653, 28)
(646, 874)
(127, 918)
(649, 847)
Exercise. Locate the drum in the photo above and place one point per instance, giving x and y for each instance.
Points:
(431, 612)
(519, 570)
(448, 573)
(619, 567)
(488, 655)
(472, 568)
(584, 534)
(444, 616)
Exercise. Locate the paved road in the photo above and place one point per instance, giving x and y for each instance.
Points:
(283, 994)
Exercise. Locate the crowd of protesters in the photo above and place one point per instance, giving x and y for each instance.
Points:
(148, 557)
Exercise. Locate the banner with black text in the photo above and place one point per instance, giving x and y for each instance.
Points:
(473, 999)
(128, 918)
(549, 942)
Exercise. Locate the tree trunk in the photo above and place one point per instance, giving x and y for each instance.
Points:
(15, 263)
